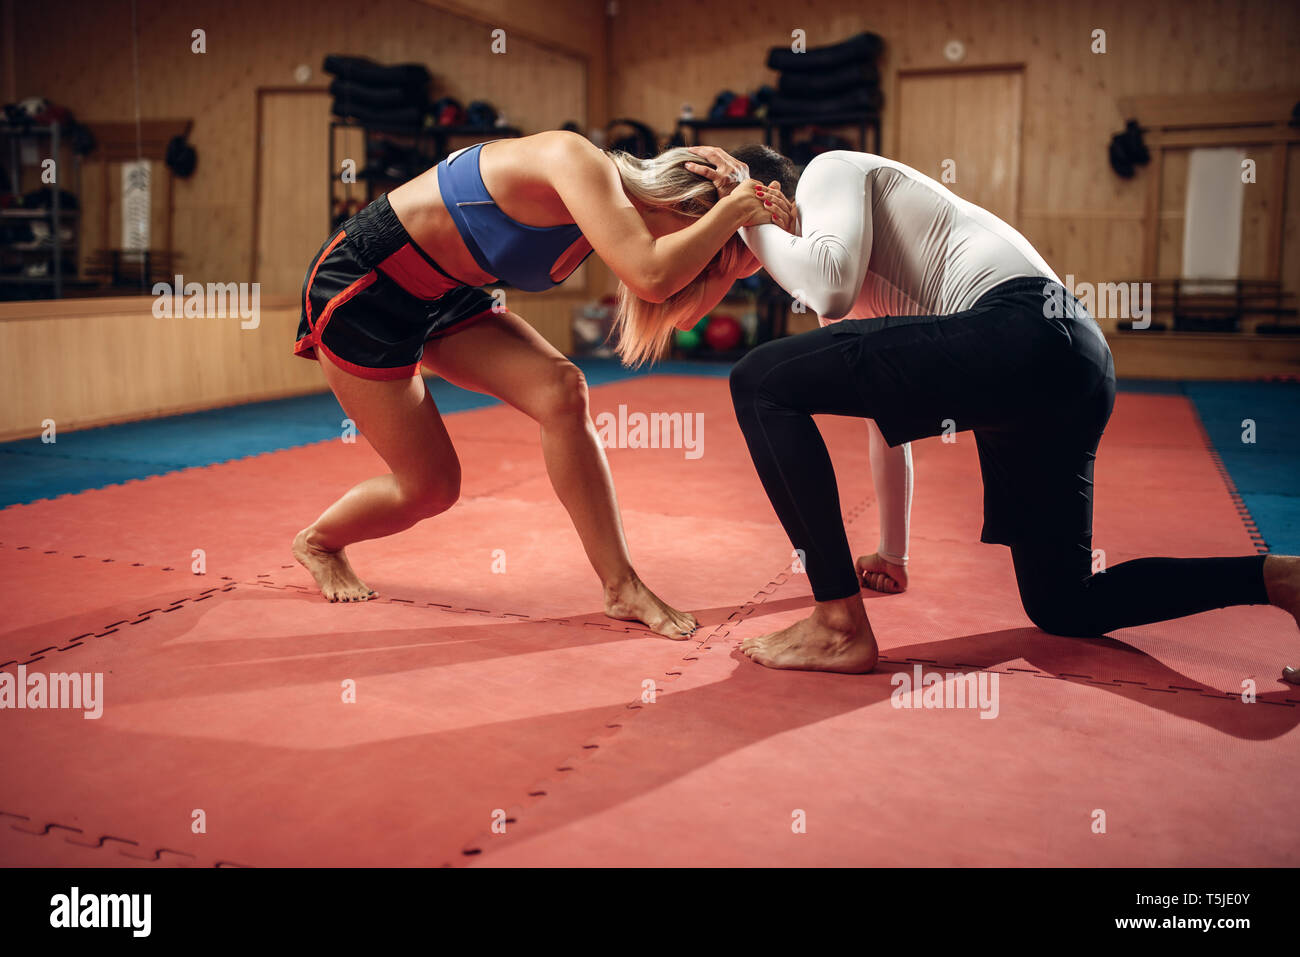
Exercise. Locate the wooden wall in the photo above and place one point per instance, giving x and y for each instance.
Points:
(78, 52)
(568, 59)
(91, 362)
(1080, 215)
(88, 362)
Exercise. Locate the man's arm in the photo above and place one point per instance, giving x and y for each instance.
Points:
(826, 266)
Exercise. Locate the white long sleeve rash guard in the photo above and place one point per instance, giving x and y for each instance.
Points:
(877, 238)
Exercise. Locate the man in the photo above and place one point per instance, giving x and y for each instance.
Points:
(934, 311)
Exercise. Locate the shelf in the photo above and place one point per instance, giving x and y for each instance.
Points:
(780, 127)
(726, 123)
(8, 129)
(58, 255)
(37, 213)
(828, 119)
(503, 132)
(431, 145)
(383, 178)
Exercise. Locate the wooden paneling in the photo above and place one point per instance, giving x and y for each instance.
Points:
(1291, 218)
(79, 54)
(574, 26)
(1256, 260)
(87, 362)
(93, 361)
(1139, 355)
(667, 52)
(966, 124)
(1173, 214)
(292, 219)
(660, 54)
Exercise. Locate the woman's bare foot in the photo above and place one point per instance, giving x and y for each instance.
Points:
(632, 601)
(836, 637)
(337, 580)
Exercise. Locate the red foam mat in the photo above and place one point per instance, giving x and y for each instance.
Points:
(55, 602)
(705, 778)
(501, 719)
(1145, 727)
(236, 708)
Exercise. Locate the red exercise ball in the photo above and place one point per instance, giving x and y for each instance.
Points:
(722, 333)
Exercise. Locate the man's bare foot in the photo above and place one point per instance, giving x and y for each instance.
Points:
(1282, 582)
(632, 601)
(337, 580)
(836, 637)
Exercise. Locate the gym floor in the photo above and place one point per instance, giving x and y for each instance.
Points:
(501, 719)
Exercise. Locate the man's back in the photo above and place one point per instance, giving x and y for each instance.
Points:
(929, 251)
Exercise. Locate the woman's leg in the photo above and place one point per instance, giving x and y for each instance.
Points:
(401, 422)
(504, 356)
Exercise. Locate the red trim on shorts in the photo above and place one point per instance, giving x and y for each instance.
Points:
(366, 372)
(312, 280)
(411, 271)
(308, 344)
(363, 283)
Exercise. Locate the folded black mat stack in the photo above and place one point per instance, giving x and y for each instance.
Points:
(834, 80)
(376, 95)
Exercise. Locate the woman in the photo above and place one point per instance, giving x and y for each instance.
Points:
(398, 287)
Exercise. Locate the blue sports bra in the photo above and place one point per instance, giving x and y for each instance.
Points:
(520, 255)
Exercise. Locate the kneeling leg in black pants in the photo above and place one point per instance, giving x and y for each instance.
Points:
(930, 367)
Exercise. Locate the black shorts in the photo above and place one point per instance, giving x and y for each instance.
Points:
(372, 298)
(1027, 370)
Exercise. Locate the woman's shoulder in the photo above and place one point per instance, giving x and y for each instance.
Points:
(559, 144)
(552, 154)
(566, 158)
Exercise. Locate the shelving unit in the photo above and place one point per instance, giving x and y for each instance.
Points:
(432, 143)
(771, 305)
(779, 132)
(51, 282)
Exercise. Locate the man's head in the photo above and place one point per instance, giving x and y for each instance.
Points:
(767, 165)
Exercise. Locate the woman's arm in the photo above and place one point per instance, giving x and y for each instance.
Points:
(653, 269)
(891, 473)
(826, 266)
(718, 283)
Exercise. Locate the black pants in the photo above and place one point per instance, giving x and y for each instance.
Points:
(1029, 373)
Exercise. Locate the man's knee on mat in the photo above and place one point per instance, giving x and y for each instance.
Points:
(1064, 612)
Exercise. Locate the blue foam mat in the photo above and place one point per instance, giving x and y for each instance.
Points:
(1266, 472)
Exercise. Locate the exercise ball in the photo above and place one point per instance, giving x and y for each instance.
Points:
(723, 333)
(688, 340)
